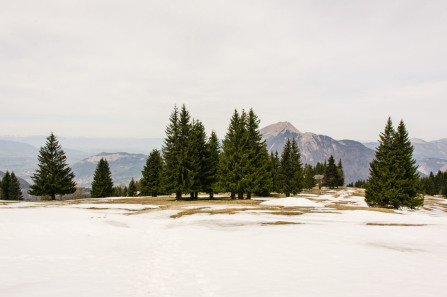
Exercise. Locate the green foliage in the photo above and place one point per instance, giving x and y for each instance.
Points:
(210, 165)
(102, 185)
(53, 175)
(151, 183)
(340, 174)
(275, 166)
(361, 183)
(178, 175)
(434, 184)
(331, 176)
(393, 181)
(132, 189)
(197, 152)
(10, 187)
(309, 180)
(291, 174)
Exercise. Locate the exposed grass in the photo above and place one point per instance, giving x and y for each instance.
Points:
(348, 207)
(391, 224)
(280, 223)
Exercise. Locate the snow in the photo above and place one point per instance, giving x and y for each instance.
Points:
(291, 201)
(63, 249)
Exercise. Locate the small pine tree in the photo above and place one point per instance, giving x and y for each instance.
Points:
(290, 169)
(331, 174)
(102, 185)
(309, 180)
(151, 183)
(132, 189)
(340, 175)
(14, 191)
(53, 175)
(6, 181)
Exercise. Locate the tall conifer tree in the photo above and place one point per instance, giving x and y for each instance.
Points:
(291, 169)
(53, 175)
(132, 189)
(14, 191)
(331, 177)
(6, 181)
(211, 164)
(151, 183)
(102, 185)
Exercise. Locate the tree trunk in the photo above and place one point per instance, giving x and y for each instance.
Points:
(287, 194)
(233, 195)
(249, 195)
(240, 195)
(53, 196)
(211, 195)
(178, 195)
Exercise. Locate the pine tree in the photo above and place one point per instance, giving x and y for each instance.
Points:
(6, 181)
(197, 155)
(309, 180)
(178, 176)
(393, 179)
(276, 179)
(331, 174)
(290, 169)
(132, 189)
(340, 175)
(233, 161)
(407, 178)
(211, 164)
(14, 191)
(102, 185)
(53, 175)
(151, 183)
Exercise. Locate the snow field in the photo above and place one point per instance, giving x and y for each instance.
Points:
(69, 250)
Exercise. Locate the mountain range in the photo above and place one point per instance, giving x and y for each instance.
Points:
(19, 154)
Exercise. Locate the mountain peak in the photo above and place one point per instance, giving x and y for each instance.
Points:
(279, 128)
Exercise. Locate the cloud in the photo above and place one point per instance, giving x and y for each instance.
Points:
(337, 68)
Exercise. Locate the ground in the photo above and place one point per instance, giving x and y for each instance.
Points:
(314, 244)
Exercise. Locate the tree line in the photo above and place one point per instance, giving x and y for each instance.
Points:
(10, 187)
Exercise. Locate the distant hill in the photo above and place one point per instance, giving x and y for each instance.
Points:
(318, 148)
(123, 166)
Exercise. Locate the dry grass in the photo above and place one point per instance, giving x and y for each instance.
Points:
(406, 225)
(280, 223)
(347, 207)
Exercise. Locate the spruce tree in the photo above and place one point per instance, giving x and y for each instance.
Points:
(6, 181)
(340, 175)
(407, 178)
(53, 175)
(276, 179)
(211, 164)
(178, 176)
(14, 191)
(102, 185)
(132, 189)
(331, 174)
(233, 161)
(291, 169)
(393, 179)
(197, 157)
(151, 183)
(309, 180)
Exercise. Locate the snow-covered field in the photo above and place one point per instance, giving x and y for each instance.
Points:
(308, 245)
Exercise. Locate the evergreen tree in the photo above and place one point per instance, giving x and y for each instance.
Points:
(14, 191)
(53, 175)
(309, 180)
(331, 178)
(290, 169)
(178, 175)
(102, 185)
(340, 175)
(276, 179)
(211, 164)
(132, 189)
(197, 156)
(151, 183)
(233, 160)
(6, 181)
(393, 179)
(407, 178)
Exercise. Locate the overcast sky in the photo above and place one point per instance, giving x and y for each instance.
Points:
(103, 68)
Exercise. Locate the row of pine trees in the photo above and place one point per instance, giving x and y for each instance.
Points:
(191, 162)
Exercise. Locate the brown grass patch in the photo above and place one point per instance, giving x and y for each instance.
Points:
(209, 211)
(286, 213)
(405, 225)
(280, 223)
(347, 207)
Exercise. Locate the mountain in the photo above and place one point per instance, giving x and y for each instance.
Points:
(318, 148)
(123, 166)
(23, 183)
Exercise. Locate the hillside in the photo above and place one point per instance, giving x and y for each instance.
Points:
(318, 148)
(123, 166)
